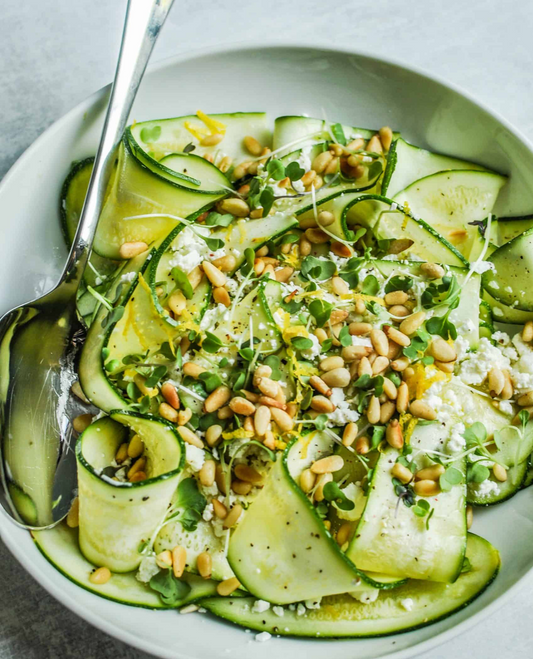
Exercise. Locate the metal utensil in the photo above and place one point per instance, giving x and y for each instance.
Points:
(38, 339)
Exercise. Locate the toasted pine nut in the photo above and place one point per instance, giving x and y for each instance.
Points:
(389, 389)
(442, 351)
(408, 373)
(308, 177)
(343, 534)
(507, 390)
(184, 416)
(360, 307)
(364, 367)
(426, 488)
(227, 587)
(220, 479)
(135, 447)
(422, 410)
(412, 323)
(282, 419)
(402, 400)
(269, 271)
(316, 236)
(373, 411)
(192, 369)
(268, 387)
(122, 453)
(189, 437)
(321, 161)
(129, 250)
(379, 341)
(225, 263)
(248, 474)
(527, 332)
(321, 335)
(292, 409)
(320, 386)
(445, 367)
(271, 402)
(212, 140)
(387, 411)
(394, 435)
(219, 509)
(240, 487)
(169, 393)
(81, 422)
(221, 296)
(307, 222)
(500, 473)
(350, 433)
(397, 336)
(332, 166)
(403, 474)
(262, 371)
(526, 400)
(356, 145)
(233, 516)
(259, 266)
(138, 476)
(225, 164)
(248, 424)
(215, 276)
(238, 172)
(204, 565)
(325, 218)
(322, 404)
(380, 365)
(284, 274)
(235, 206)
(270, 440)
(207, 473)
(100, 576)
(374, 144)
(323, 479)
(168, 412)
(164, 559)
(177, 303)
(399, 311)
(242, 406)
(360, 329)
(400, 245)
(184, 343)
(432, 473)
(331, 363)
(179, 560)
(252, 145)
(305, 246)
(337, 378)
(262, 420)
(329, 464)
(337, 316)
(352, 353)
(219, 397)
(496, 381)
(195, 276)
(385, 135)
(395, 297)
(225, 412)
(78, 391)
(73, 517)
(340, 249)
(362, 445)
(339, 286)
(432, 270)
(400, 364)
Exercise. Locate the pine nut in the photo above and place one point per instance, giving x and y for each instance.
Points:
(179, 560)
(422, 410)
(337, 378)
(496, 381)
(248, 425)
(215, 276)
(408, 373)
(269, 272)
(320, 386)
(432, 270)
(189, 437)
(401, 472)
(221, 296)
(271, 402)
(432, 473)
(292, 409)
(219, 509)
(129, 250)
(220, 479)
(100, 576)
(204, 565)
(400, 245)
(399, 311)
(442, 351)
(240, 487)
(138, 465)
(364, 367)
(321, 161)
(122, 453)
(192, 370)
(362, 445)
(445, 367)
(360, 307)
(305, 246)
(373, 411)
(282, 419)
(402, 399)
(78, 392)
(387, 411)
(389, 389)
(240, 405)
(225, 263)
(350, 434)
(337, 316)
(380, 365)
(233, 516)
(394, 435)
(316, 236)
(322, 404)
(184, 416)
(135, 447)
(138, 476)
(500, 473)
(177, 303)
(526, 400)
(527, 332)
(236, 207)
(168, 412)
(343, 534)
(228, 586)
(248, 474)
(238, 172)
(329, 464)
(259, 266)
(385, 135)
(426, 488)
(195, 276)
(270, 440)
(262, 371)
(322, 481)
(379, 341)
(397, 336)
(374, 145)
(164, 559)
(359, 329)
(333, 166)
(225, 412)
(507, 391)
(308, 178)
(212, 140)
(225, 164)
(331, 363)
(262, 420)
(327, 524)
(352, 353)
(169, 393)
(340, 249)
(82, 422)
(268, 387)
(207, 473)
(252, 145)
(307, 222)
(284, 274)
(325, 218)
(321, 335)
(339, 286)
(73, 517)
(394, 350)
(219, 397)
(469, 516)
(184, 343)
(400, 364)
(396, 297)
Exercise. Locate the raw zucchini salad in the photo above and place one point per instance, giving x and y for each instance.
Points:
(296, 398)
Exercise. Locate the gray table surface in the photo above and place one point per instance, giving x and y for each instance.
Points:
(53, 53)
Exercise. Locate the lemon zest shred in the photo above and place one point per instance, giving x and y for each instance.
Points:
(240, 433)
(214, 125)
(196, 131)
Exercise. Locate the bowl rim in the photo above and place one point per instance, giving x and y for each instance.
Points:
(46, 580)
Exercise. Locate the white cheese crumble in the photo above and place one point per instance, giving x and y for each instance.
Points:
(407, 604)
(366, 596)
(343, 413)
(208, 513)
(314, 351)
(128, 276)
(475, 368)
(486, 488)
(456, 442)
(260, 606)
(147, 569)
(361, 341)
(263, 637)
(189, 250)
(481, 266)
(313, 604)
(278, 611)
(195, 457)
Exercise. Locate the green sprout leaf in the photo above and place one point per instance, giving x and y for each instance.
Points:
(294, 171)
(370, 285)
(211, 343)
(334, 494)
(191, 503)
(399, 283)
(301, 343)
(321, 311)
(171, 590)
(338, 133)
(182, 282)
(150, 134)
(275, 169)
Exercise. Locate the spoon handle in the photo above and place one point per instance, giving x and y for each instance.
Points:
(144, 20)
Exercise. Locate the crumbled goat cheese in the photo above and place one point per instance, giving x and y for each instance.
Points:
(475, 368)
(486, 488)
(481, 266)
(147, 569)
(195, 457)
(314, 351)
(502, 338)
(506, 407)
(279, 611)
(407, 604)
(189, 250)
(208, 513)
(366, 596)
(300, 610)
(343, 413)
(361, 341)
(313, 604)
(456, 442)
(263, 637)
(128, 276)
(339, 261)
(231, 286)
(260, 606)
(212, 317)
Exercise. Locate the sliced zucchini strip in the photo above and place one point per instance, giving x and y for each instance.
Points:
(508, 228)
(289, 129)
(115, 517)
(60, 547)
(281, 551)
(497, 492)
(503, 313)
(413, 605)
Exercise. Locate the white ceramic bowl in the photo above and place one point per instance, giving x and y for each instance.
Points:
(351, 88)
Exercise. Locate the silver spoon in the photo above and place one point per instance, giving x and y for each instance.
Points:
(38, 339)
